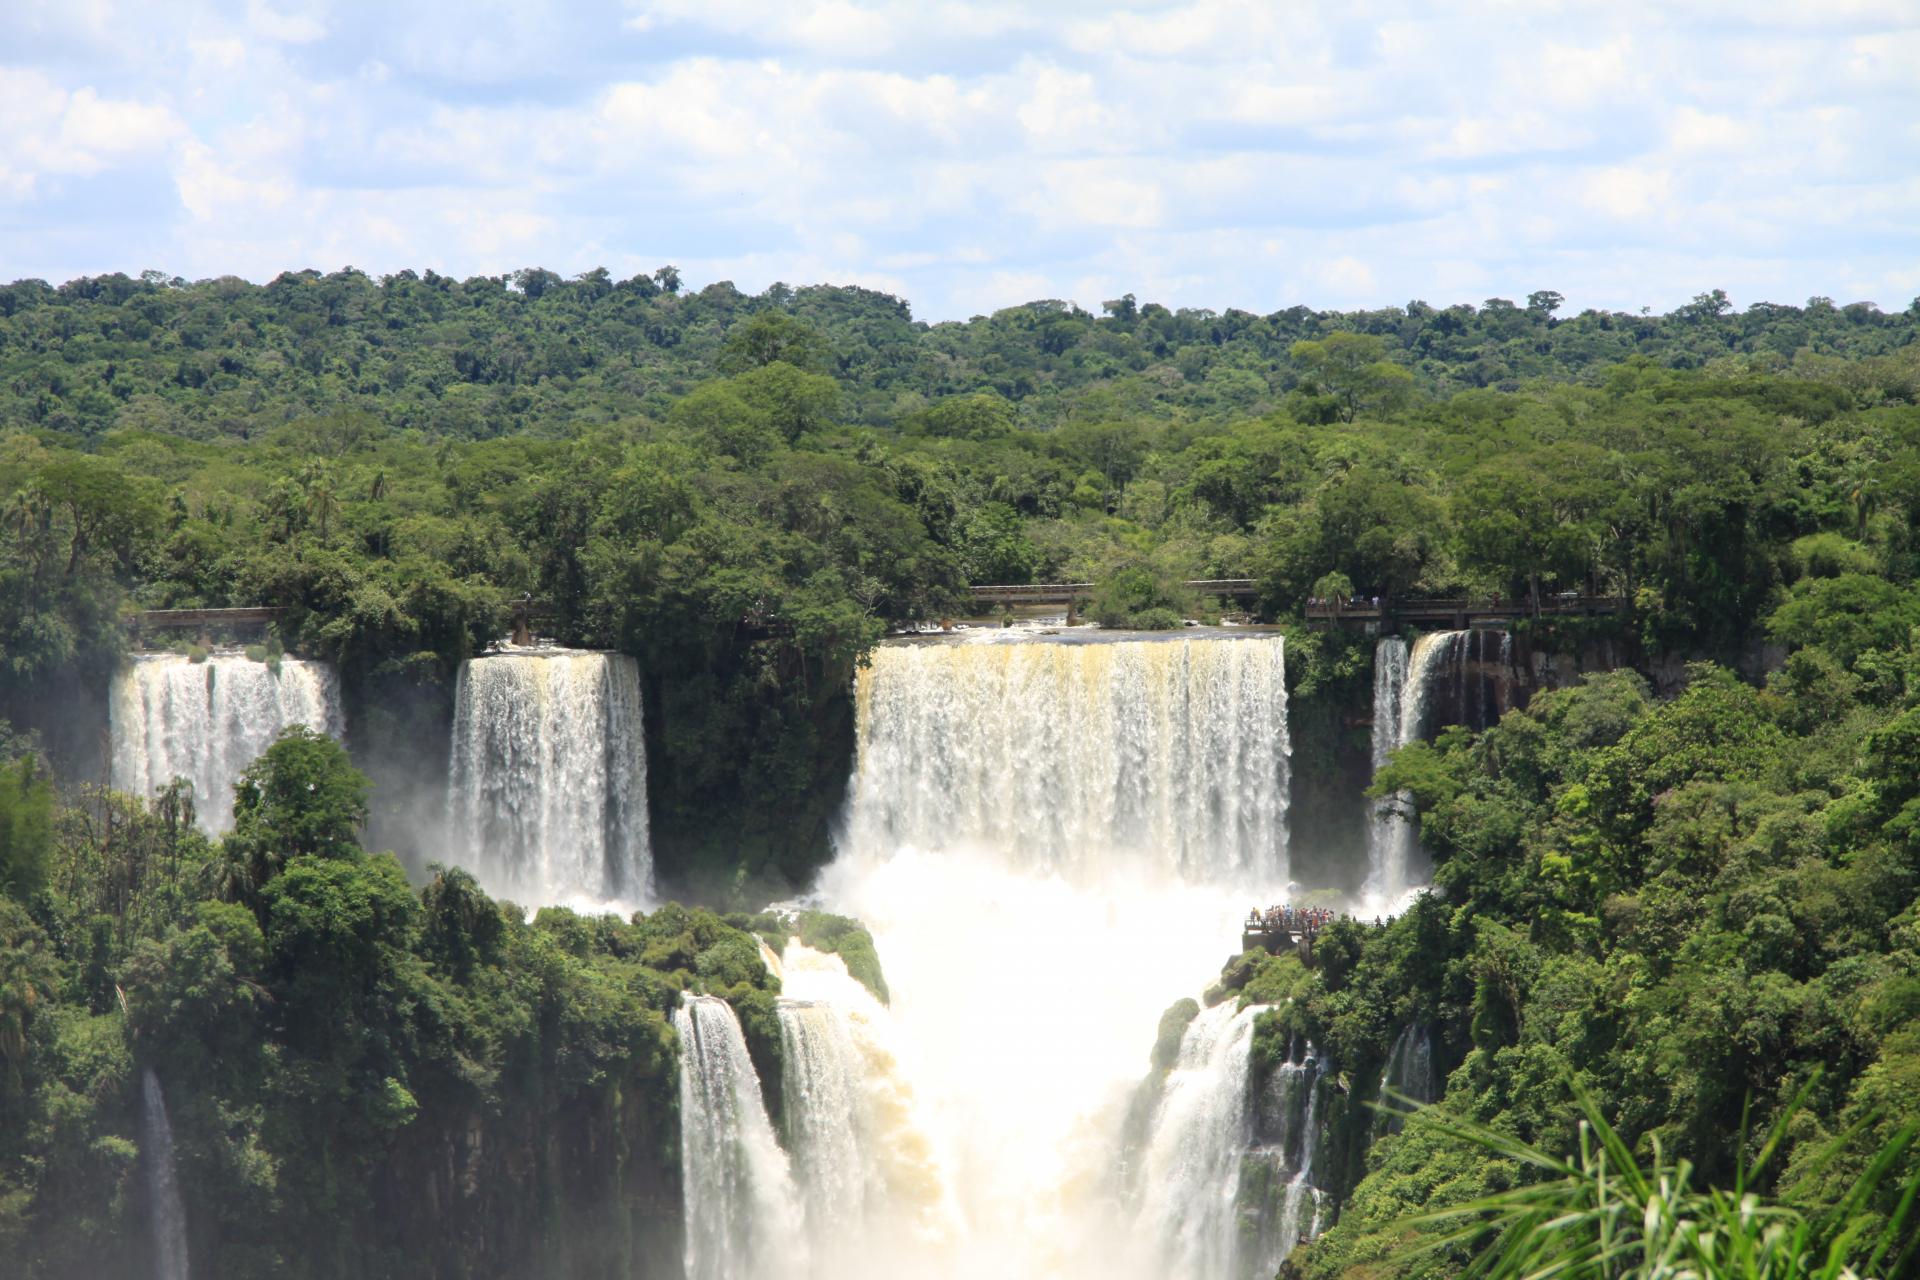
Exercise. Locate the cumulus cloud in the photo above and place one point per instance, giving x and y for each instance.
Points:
(971, 154)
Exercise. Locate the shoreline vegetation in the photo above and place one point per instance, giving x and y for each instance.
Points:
(1682, 910)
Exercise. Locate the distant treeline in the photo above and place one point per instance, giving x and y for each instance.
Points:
(495, 354)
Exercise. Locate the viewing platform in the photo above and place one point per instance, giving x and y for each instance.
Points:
(1459, 615)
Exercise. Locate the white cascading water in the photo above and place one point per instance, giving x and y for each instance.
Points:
(743, 1215)
(548, 795)
(207, 721)
(1433, 654)
(1300, 1212)
(1390, 837)
(826, 1121)
(869, 1180)
(1049, 841)
(1201, 1130)
(1077, 757)
(1409, 1073)
(167, 1212)
(1403, 687)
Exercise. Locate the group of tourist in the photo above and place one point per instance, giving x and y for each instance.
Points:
(1307, 920)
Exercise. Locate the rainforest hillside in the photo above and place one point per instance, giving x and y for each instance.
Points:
(744, 491)
(1691, 898)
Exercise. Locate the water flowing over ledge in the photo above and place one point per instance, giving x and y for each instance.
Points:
(1168, 755)
(548, 796)
(207, 721)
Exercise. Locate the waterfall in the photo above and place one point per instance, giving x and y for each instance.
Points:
(824, 1116)
(1280, 1202)
(168, 1213)
(1432, 655)
(1026, 813)
(1457, 677)
(1078, 757)
(1390, 837)
(870, 1183)
(1190, 1171)
(1449, 678)
(548, 800)
(743, 1216)
(207, 721)
(1409, 1072)
(1295, 1223)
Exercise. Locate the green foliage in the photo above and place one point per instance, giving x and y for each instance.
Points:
(301, 797)
(26, 827)
(1139, 599)
(1600, 1212)
(1347, 374)
(1846, 615)
(1172, 1030)
(322, 1057)
(848, 939)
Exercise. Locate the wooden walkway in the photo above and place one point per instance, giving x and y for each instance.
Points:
(1462, 614)
(1069, 592)
(203, 619)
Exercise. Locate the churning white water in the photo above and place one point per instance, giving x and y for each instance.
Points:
(548, 796)
(207, 721)
(743, 1216)
(870, 1182)
(1050, 843)
(1080, 758)
(166, 1212)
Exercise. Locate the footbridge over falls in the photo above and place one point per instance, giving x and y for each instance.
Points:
(1459, 615)
(1071, 592)
(203, 622)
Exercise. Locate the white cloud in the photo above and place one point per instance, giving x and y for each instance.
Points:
(1696, 130)
(1628, 191)
(284, 28)
(971, 153)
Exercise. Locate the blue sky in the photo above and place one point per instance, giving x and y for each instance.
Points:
(971, 155)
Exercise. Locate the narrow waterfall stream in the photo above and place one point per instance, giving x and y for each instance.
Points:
(167, 1211)
(1450, 677)
(1391, 844)
(548, 793)
(1409, 1073)
(207, 721)
(743, 1213)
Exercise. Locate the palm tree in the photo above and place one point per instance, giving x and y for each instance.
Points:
(321, 504)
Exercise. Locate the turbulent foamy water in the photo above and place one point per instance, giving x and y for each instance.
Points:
(547, 800)
(1087, 759)
(207, 721)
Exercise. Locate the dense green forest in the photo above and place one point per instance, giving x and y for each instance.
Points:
(1684, 902)
(744, 491)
